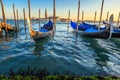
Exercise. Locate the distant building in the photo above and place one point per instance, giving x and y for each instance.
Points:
(57, 18)
(33, 18)
(51, 18)
(64, 20)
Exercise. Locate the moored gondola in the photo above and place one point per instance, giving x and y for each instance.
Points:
(103, 34)
(109, 32)
(45, 31)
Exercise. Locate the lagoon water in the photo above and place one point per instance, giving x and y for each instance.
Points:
(63, 52)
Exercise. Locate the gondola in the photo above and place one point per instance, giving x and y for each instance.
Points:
(7, 27)
(45, 31)
(104, 34)
(108, 32)
(91, 31)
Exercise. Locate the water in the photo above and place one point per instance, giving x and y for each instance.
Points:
(64, 52)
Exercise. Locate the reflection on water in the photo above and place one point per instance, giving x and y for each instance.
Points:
(8, 37)
(63, 52)
(39, 45)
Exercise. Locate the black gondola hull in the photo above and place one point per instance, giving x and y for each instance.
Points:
(116, 35)
(102, 34)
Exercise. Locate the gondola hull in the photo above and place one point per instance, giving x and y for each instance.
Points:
(116, 35)
(39, 35)
(101, 34)
(42, 33)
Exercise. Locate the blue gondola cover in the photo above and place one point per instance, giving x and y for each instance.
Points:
(82, 26)
(47, 27)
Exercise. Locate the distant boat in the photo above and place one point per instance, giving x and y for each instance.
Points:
(45, 31)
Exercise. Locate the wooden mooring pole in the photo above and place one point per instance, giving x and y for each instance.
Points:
(3, 15)
(39, 19)
(54, 15)
(29, 10)
(17, 19)
(82, 16)
(24, 18)
(101, 14)
(3, 12)
(95, 17)
(78, 18)
(68, 20)
(78, 15)
(14, 16)
(118, 19)
(107, 17)
(46, 15)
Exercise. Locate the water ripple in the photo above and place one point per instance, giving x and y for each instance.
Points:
(64, 52)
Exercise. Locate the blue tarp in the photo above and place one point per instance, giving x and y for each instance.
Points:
(92, 30)
(73, 25)
(116, 30)
(49, 24)
(82, 26)
(47, 27)
(103, 28)
(95, 30)
(87, 26)
(43, 30)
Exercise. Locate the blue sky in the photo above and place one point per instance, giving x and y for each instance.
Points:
(62, 7)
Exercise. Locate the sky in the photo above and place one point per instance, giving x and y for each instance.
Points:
(62, 7)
